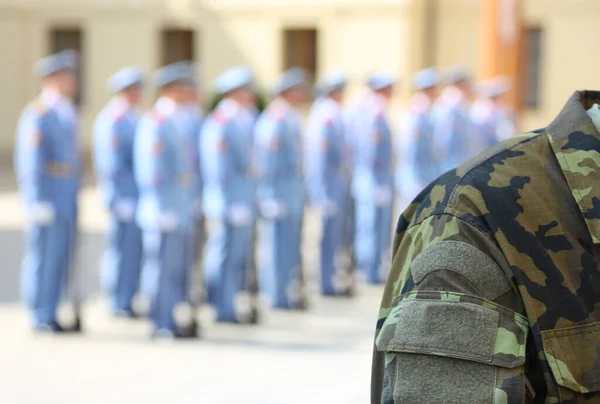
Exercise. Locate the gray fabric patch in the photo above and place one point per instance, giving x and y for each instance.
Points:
(466, 260)
(458, 330)
(425, 379)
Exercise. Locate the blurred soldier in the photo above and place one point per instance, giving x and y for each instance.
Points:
(454, 129)
(327, 180)
(492, 120)
(417, 165)
(281, 196)
(47, 167)
(226, 155)
(493, 293)
(373, 182)
(192, 118)
(165, 173)
(352, 116)
(114, 133)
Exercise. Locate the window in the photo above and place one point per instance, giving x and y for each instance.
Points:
(70, 38)
(300, 49)
(177, 45)
(532, 66)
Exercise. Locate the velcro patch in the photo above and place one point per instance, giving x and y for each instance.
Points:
(485, 274)
(456, 326)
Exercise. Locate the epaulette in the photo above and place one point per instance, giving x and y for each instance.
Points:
(38, 106)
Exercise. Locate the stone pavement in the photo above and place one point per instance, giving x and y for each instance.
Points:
(321, 356)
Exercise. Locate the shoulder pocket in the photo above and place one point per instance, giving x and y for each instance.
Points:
(455, 325)
(572, 354)
(452, 348)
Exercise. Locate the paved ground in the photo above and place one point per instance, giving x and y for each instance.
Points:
(322, 356)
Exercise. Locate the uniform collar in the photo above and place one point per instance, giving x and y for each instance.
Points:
(165, 106)
(330, 106)
(230, 106)
(63, 106)
(50, 97)
(576, 144)
(120, 105)
(452, 96)
(420, 102)
(281, 104)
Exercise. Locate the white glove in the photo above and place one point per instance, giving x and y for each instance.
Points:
(42, 213)
(167, 221)
(239, 215)
(329, 208)
(272, 209)
(125, 209)
(382, 195)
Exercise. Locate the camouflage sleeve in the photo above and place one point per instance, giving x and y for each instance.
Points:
(451, 328)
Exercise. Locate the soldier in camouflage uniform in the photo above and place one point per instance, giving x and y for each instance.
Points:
(494, 293)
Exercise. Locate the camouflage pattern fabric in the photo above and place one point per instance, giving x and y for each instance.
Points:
(532, 205)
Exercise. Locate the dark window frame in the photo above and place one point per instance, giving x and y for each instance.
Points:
(292, 39)
(532, 66)
(169, 54)
(70, 36)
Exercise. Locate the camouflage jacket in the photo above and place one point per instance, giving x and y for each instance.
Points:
(494, 292)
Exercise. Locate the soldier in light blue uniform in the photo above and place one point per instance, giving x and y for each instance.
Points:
(47, 168)
(352, 118)
(373, 182)
(492, 120)
(454, 128)
(281, 191)
(192, 118)
(166, 177)
(226, 146)
(417, 162)
(327, 181)
(114, 132)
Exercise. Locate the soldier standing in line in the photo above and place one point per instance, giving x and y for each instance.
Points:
(278, 137)
(114, 133)
(47, 167)
(226, 146)
(166, 177)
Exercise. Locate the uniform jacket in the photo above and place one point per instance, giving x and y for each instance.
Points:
(325, 152)
(417, 157)
(494, 292)
(164, 167)
(114, 133)
(454, 130)
(226, 154)
(278, 156)
(47, 156)
(373, 150)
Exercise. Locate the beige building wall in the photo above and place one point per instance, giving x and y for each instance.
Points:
(459, 33)
(359, 36)
(356, 35)
(570, 52)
